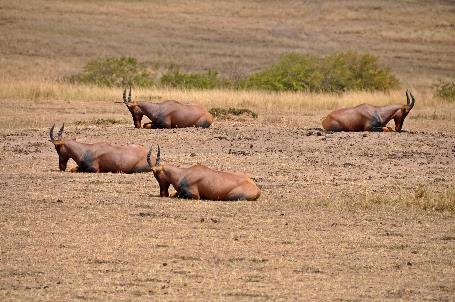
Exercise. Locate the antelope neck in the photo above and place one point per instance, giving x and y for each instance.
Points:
(172, 173)
(75, 150)
(386, 113)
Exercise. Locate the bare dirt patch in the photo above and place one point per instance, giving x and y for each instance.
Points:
(317, 232)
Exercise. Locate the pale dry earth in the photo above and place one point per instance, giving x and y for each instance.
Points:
(315, 233)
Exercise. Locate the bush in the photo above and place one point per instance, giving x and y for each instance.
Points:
(221, 112)
(334, 73)
(177, 79)
(113, 72)
(445, 90)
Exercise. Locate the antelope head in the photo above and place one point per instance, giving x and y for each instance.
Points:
(134, 109)
(405, 109)
(59, 144)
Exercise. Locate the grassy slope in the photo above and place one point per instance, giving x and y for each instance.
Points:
(54, 38)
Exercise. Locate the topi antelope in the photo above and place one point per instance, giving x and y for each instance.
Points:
(366, 117)
(99, 157)
(167, 114)
(200, 182)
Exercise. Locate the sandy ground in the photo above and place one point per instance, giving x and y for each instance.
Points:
(315, 233)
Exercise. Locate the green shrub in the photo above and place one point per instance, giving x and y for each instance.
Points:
(113, 72)
(334, 73)
(220, 112)
(445, 90)
(100, 122)
(177, 79)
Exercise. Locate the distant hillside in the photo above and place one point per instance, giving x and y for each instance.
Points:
(416, 39)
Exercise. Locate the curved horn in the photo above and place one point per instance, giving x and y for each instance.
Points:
(408, 101)
(124, 96)
(158, 156)
(413, 101)
(129, 96)
(51, 133)
(148, 157)
(60, 132)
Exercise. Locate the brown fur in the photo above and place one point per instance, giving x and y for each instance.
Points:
(367, 117)
(168, 114)
(201, 182)
(100, 157)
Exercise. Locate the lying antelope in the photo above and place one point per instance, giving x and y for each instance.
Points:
(200, 182)
(99, 157)
(168, 114)
(366, 117)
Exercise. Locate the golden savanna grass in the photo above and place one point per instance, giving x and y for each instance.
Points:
(258, 100)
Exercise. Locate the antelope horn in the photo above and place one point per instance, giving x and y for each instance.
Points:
(60, 132)
(413, 100)
(51, 132)
(158, 156)
(408, 101)
(129, 95)
(124, 96)
(148, 157)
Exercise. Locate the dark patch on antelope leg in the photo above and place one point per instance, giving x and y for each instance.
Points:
(159, 122)
(376, 121)
(336, 129)
(86, 163)
(377, 129)
(204, 124)
(183, 190)
(236, 197)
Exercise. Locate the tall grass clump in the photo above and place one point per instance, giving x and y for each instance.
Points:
(113, 72)
(176, 79)
(445, 90)
(338, 72)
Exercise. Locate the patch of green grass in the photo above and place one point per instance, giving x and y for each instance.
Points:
(220, 112)
(100, 122)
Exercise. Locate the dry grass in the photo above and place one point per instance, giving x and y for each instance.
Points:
(422, 198)
(258, 100)
(56, 38)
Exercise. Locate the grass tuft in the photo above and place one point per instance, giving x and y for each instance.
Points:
(101, 122)
(423, 198)
(445, 90)
(222, 112)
